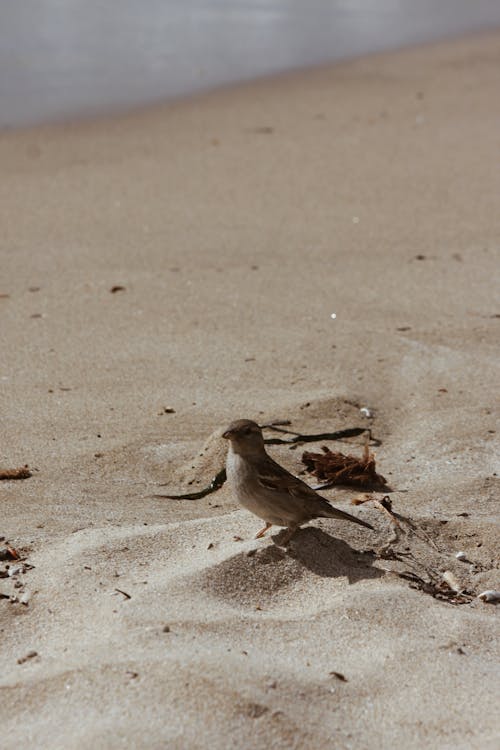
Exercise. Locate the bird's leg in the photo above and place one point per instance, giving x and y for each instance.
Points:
(288, 535)
(263, 531)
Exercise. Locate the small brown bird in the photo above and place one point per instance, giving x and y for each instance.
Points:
(267, 489)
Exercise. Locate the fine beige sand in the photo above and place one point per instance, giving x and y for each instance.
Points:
(237, 223)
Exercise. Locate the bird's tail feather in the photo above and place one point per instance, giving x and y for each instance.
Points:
(336, 513)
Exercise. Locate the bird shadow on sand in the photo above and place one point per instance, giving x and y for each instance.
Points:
(329, 557)
(257, 575)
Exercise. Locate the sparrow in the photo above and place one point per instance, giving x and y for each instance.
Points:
(268, 490)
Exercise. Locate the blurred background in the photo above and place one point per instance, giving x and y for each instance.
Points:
(62, 59)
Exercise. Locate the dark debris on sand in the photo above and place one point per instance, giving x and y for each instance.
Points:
(21, 473)
(340, 469)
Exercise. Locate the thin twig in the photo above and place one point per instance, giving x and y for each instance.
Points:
(315, 438)
(297, 438)
(214, 485)
(124, 593)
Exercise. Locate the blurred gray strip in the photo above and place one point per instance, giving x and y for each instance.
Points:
(65, 58)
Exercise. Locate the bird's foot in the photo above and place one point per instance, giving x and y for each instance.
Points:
(287, 536)
(263, 531)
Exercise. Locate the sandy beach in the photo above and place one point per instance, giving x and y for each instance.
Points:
(234, 224)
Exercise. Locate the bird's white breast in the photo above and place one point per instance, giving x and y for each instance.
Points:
(242, 478)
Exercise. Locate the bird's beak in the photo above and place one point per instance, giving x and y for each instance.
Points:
(227, 435)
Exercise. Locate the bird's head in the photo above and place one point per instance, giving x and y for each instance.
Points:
(245, 436)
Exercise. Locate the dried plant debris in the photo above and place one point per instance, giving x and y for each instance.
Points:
(339, 676)
(400, 524)
(9, 553)
(123, 593)
(27, 657)
(14, 574)
(294, 440)
(385, 506)
(22, 473)
(416, 556)
(437, 588)
(214, 485)
(452, 582)
(297, 437)
(339, 469)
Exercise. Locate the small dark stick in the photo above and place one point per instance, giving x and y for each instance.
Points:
(124, 593)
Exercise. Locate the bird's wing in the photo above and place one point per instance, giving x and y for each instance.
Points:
(272, 476)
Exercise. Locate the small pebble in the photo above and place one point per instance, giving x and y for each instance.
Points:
(490, 596)
(461, 556)
(365, 412)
